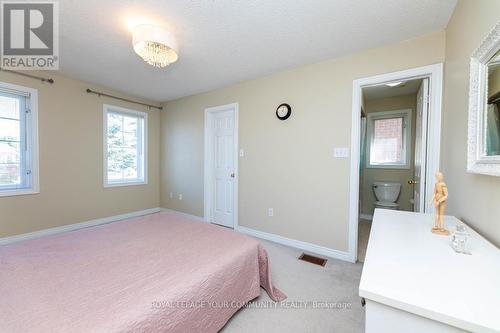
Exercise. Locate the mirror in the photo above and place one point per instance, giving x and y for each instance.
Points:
(492, 122)
(483, 155)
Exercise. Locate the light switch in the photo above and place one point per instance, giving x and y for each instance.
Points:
(341, 152)
(242, 153)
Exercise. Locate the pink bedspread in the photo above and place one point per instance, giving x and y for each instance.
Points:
(158, 273)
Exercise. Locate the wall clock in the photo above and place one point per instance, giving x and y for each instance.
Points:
(283, 111)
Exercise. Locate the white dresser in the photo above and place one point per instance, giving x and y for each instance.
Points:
(413, 281)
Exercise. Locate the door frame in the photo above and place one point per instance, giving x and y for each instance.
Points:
(208, 166)
(435, 74)
(423, 167)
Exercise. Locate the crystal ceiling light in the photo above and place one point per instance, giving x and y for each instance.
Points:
(155, 45)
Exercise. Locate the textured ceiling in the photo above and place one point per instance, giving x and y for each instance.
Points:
(227, 41)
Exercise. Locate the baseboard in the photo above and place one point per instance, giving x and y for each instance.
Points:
(366, 217)
(313, 248)
(317, 249)
(75, 226)
(194, 217)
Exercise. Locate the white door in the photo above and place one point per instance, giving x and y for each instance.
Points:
(221, 138)
(420, 147)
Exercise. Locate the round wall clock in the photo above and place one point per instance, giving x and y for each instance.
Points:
(283, 111)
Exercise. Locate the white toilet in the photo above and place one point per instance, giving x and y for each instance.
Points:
(386, 193)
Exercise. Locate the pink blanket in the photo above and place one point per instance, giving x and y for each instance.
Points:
(158, 273)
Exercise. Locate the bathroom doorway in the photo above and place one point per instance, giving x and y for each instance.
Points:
(395, 148)
(391, 153)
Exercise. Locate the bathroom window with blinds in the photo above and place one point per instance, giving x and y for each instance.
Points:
(389, 139)
(125, 160)
(18, 140)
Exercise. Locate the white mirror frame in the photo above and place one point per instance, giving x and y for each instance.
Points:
(477, 160)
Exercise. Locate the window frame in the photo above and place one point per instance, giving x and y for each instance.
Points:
(371, 117)
(108, 108)
(28, 141)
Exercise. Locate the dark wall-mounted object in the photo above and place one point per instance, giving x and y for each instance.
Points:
(283, 111)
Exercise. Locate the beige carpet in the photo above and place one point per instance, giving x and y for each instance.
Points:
(335, 284)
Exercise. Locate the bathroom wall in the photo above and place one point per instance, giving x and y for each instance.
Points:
(401, 176)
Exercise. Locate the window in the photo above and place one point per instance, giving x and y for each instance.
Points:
(18, 140)
(125, 153)
(389, 139)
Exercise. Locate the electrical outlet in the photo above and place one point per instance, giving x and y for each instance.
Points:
(270, 212)
(242, 153)
(180, 196)
(171, 195)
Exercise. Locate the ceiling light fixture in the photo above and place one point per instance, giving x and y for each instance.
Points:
(155, 45)
(394, 84)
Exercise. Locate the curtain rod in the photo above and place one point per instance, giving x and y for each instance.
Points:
(43, 79)
(123, 99)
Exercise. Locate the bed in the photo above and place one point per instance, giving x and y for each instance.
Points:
(162, 272)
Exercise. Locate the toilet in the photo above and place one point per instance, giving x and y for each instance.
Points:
(387, 194)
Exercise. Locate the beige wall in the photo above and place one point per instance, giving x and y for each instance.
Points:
(474, 198)
(401, 176)
(288, 165)
(71, 162)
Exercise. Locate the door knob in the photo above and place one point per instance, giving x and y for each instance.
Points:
(412, 182)
(232, 174)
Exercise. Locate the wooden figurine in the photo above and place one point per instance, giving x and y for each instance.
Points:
(439, 199)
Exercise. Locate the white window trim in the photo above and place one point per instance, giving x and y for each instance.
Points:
(406, 114)
(112, 108)
(32, 137)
